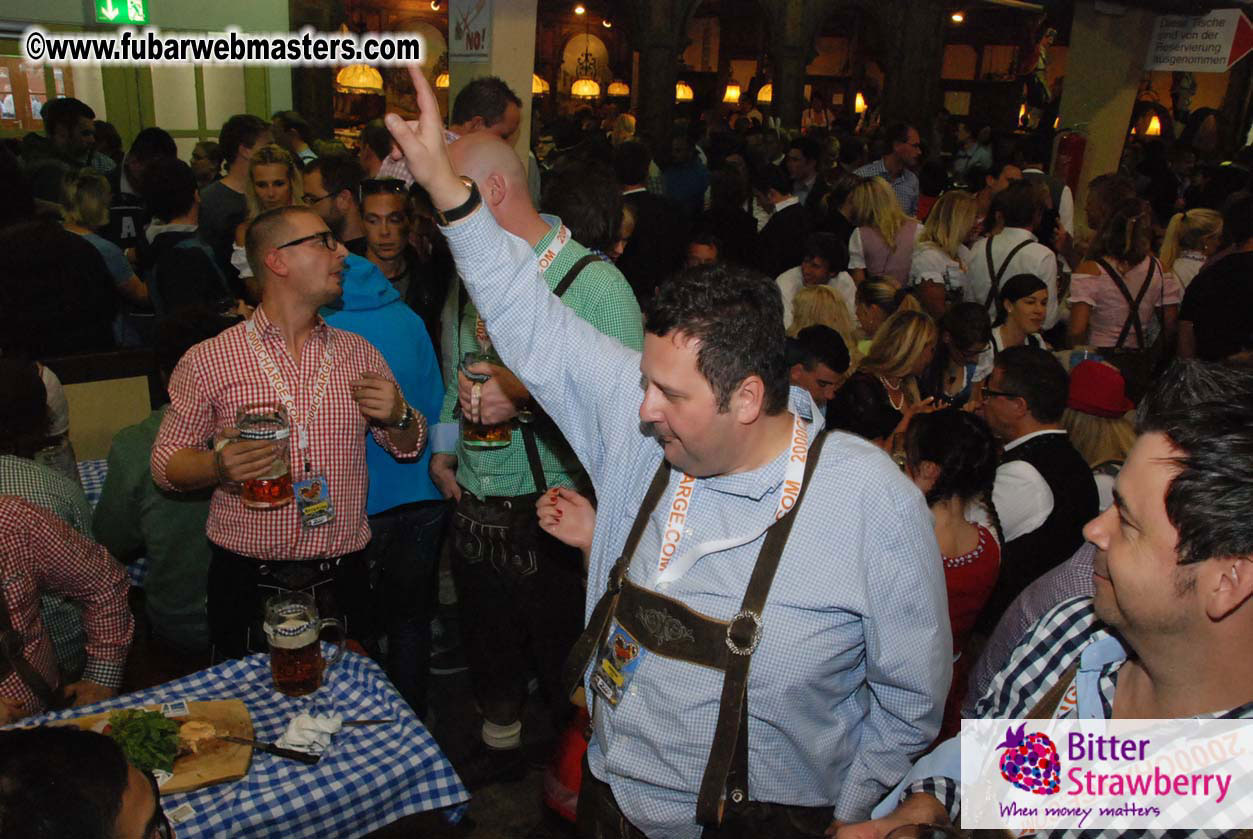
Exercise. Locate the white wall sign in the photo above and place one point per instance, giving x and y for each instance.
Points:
(470, 25)
(1208, 43)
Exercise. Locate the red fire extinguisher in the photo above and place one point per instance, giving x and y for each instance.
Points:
(1069, 161)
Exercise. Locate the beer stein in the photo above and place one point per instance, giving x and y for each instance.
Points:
(292, 627)
(267, 422)
(477, 435)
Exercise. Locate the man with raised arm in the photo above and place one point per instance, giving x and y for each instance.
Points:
(745, 536)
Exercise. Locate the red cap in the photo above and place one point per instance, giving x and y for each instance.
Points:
(1098, 388)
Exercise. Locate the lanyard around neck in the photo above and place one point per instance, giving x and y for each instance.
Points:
(270, 370)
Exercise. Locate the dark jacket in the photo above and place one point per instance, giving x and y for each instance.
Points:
(781, 243)
(655, 250)
(184, 272)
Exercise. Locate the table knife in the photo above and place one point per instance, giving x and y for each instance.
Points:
(269, 748)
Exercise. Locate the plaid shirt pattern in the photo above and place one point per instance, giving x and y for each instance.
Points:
(219, 376)
(39, 552)
(1055, 643)
(905, 185)
(47, 488)
(601, 297)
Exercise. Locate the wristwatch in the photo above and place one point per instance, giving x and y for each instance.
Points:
(406, 419)
(447, 217)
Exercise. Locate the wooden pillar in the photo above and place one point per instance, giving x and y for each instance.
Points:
(659, 32)
(915, 56)
(313, 87)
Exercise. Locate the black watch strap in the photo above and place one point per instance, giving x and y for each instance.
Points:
(447, 217)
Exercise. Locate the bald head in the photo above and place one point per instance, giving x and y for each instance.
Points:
(481, 155)
(269, 230)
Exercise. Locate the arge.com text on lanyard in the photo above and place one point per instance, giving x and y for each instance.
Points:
(269, 368)
(668, 569)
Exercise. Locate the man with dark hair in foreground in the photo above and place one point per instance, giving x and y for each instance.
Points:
(848, 677)
(1165, 636)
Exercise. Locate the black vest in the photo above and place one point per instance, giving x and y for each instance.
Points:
(1075, 503)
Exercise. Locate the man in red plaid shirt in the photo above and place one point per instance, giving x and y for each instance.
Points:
(39, 553)
(335, 387)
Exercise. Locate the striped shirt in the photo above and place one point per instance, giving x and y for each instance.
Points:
(217, 377)
(599, 296)
(1068, 633)
(40, 553)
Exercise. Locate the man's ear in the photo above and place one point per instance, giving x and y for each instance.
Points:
(276, 263)
(749, 399)
(796, 371)
(345, 201)
(1228, 585)
(497, 188)
(930, 470)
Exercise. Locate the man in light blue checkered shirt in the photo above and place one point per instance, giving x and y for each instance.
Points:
(1165, 635)
(897, 166)
(849, 678)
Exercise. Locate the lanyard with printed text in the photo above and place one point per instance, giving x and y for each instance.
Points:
(546, 259)
(270, 369)
(670, 565)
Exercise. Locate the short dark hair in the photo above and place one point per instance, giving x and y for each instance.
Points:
(772, 177)
(1035, 148)
(1238, 218)
(1038, 377)
(172, 188)
(630, 162)
(709, 239)
(1204, 409)
(263, 228)
(898, 132)
(240, 130)
(962, 445)
(487, 97)
(826, 246)
(24, 419)
(60, 781)
(1014, 289)
(1018, 203)
(737, 316)
(151, 143)
(64, 111)
(378, 138)
(818, 344)
(807, 146)
(339, 173)
(588, 201)
(292, 121)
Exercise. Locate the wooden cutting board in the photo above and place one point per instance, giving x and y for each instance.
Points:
(215, 761)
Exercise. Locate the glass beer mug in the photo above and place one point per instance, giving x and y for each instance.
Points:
(292, 627)
(477, 435)
(267, 422)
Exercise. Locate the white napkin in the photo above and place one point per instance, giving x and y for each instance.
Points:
(310, 733)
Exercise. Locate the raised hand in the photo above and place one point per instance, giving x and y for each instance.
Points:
(421, 142)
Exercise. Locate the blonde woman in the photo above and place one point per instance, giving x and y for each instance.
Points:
(273, 181)
(1191, 238)
(821, 304)
(875, 301)
(878, 400)
(85, 198)
(938, 266)
(883, 243)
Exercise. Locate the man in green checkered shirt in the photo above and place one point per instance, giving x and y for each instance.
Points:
(520, 590)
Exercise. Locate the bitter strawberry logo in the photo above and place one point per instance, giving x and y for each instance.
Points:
(1030, 763)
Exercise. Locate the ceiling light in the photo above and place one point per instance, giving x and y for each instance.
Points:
(732, 96)
(957, 16)
(765, 94)
(683, 92)
(607, 23)
(579, 9)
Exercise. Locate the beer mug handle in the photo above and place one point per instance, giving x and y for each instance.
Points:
(343, 639)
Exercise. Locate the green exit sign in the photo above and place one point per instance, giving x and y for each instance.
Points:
(134, 12)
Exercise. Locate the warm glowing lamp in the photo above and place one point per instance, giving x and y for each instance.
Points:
(859, 103)
(1022, 112)
(732, 96)
(1057, 123)
(538, 86)
(619, 88)
(1155, 127)
(434, 5)
(359, 78)
(441, 81)
(957, 17)
(682, 92)
(585, 89)
(765, 94)
(607, 23)
(578, 9)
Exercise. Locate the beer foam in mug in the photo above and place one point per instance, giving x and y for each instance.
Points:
(293, 633)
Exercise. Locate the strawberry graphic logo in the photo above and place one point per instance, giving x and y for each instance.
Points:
(1030, 763)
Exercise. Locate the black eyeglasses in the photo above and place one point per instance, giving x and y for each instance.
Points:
(326, 237)
(987, 391)
(377, 186)
(313, 199)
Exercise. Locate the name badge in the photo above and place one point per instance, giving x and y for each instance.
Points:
(620, 657)
(314, 501)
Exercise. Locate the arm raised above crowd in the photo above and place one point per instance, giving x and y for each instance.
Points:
(585, 380)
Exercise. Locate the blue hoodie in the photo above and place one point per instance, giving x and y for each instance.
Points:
(372, 308)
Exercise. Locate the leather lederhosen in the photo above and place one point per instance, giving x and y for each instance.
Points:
(667, 627)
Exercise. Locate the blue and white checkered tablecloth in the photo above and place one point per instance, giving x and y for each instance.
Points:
(369, 777)
(92, 474)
